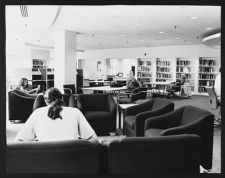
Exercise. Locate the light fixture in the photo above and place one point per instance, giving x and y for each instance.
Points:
(161, 32)
(208, 28)
(193, 17)
(122, 35)
(142, 40)
(138, 24)
(177, 38)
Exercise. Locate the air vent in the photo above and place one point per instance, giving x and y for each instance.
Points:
(23, 10)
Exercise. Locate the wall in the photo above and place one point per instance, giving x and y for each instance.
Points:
(92, 56)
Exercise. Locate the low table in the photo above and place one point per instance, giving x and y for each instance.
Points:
(121, 109)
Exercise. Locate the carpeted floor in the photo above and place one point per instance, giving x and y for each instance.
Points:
(198, 101)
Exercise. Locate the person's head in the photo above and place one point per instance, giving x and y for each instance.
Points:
(130, 74)
(183, 76)
(23, 82)
(53, 98)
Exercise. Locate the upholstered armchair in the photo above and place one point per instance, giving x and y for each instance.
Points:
(68, 99)
(185, 120)
(141, 155)
(20, 105)
(72, 156)
(100, 112)
(135, 116)
(130, 96)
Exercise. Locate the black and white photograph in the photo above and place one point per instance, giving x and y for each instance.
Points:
(113, 89)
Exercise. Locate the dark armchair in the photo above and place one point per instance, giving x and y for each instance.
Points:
(68, 99)
(186, 120)
(170, 154)
(72, 156)
(135, 116)
(100, 112)
(20, 105)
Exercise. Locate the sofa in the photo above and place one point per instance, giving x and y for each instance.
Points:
(72, 156)
(185, 120)
(140, 155)
(100, 112)
(20, 105)
(135, 116)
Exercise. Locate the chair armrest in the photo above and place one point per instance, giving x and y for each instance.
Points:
(67, 89)
(164, 121)
(111, 104)
(134, 110)
(190, 128)
(141, 117)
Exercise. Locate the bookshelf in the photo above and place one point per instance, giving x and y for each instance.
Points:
(41, 75)
(144, 70)
(186, 65)
(163, 70)
(208, 69)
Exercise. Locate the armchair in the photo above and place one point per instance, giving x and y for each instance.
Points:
(72, 156)
(69, 100)
(20, 105)
(135, 116)
(170, 154)
(186, 120)
(100, 112)
(130, 96)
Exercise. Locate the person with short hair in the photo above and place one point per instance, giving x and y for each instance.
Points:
(56, 122)
(132, 82)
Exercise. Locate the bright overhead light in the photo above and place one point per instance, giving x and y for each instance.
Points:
(177, 38)
(138, 24)
(194, 17)
(161, 32)
(122, 35)
(208, 28)
(142, 40)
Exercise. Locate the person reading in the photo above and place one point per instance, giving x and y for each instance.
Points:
(56, 122)
(26, 88)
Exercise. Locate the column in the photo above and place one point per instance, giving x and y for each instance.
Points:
(65, 58)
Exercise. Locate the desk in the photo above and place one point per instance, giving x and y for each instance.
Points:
(106, 88)
(162, 86)
(100, 81)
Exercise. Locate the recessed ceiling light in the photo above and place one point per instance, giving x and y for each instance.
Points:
(122, 35)
(157, 44)
(177, 38)
(208, 28)
(193, 17)
(161, 32)
(138, 24)
(142, 40)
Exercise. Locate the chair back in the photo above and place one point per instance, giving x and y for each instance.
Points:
(68, 88)
(142, 155)
(213, 101)
(191, 114)
(159, 102)
(20, 105)
(75, 156)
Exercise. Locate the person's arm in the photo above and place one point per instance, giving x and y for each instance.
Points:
(27, 132)
(84, 129)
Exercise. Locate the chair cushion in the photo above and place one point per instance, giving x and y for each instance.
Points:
(97, 115)
(96, 102)
(153, 132)
(125, 100)
(130, 120)
(158, 102)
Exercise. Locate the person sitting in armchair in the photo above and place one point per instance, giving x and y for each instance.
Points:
(26, 88)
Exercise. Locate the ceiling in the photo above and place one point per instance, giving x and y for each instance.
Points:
(117, 26)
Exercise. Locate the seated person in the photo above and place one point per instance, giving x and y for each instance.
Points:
(56, 122)
(132, 82)
(26, 88)
(180, 84)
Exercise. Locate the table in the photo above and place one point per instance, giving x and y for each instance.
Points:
(123, 107)
(162, 86)
(105, 88)
(99, 81)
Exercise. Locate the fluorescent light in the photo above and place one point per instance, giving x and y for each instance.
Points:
(208, 28)
(142, 40)
(122, 35)
(193, 18)
(161, 32)
(177, 38)
(138, 24)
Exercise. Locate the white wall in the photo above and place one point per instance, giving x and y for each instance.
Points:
(92, 56)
